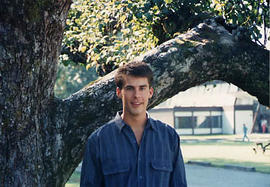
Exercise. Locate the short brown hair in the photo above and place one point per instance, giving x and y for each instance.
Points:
(136, 69)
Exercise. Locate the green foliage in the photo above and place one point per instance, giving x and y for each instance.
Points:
(111, 32)
(108, 32)
(72, 78)
(247, 13)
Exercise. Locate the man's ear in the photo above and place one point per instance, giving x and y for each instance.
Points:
(151, 91)
(118, 93)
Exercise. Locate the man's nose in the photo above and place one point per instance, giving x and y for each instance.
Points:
(137, 93)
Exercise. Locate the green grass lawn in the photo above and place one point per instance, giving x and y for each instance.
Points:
(227, 152)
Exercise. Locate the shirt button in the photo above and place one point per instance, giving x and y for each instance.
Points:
(141, 177)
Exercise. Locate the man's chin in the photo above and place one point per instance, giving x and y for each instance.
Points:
(136, 112)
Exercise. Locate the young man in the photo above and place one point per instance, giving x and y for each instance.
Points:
(133, 150)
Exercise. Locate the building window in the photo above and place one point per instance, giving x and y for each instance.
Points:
(216, 119)
(183, 122)
(202, 119)
(198, 119)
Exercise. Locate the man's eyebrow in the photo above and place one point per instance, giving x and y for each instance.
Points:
(129, 86)
(144, 85)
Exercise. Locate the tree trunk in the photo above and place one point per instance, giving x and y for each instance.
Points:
(30, 40)
(42, 138)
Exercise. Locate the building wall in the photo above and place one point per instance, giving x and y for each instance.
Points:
(202, 131)
(164, 115)
(228, 120)
(184, 131)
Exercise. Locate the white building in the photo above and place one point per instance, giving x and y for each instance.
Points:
(215, 108)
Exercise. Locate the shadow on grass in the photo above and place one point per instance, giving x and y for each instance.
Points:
(222, 143)
(217, 162)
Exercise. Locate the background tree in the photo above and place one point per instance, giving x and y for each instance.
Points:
(42, 137)
(71, 78)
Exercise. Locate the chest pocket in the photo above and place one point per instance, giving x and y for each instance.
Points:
(162, 165)
(111, 167)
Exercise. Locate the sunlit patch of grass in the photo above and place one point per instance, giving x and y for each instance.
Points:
(72, 185)
(74, 180)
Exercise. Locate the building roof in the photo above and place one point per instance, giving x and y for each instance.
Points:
(211, 94)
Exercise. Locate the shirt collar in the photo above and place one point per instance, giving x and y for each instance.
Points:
(120, 123)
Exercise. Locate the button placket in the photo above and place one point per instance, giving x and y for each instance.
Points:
(139, 160)
(139, 165)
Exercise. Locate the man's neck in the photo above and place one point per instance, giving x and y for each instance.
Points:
(135, 122)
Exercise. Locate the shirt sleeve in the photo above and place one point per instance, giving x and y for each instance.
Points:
(91, 173)
(178, 177)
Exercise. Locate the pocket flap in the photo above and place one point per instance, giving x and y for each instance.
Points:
(162, 165)
(113, 167)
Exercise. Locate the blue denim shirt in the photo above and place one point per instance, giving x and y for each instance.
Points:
(114, 159)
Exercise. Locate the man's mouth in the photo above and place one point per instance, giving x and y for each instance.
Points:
(136, 103)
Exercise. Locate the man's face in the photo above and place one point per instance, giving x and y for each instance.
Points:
(135, 94)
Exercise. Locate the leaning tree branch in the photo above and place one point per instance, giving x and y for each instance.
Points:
(207, 52)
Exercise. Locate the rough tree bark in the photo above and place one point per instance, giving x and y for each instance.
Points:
(42, 138)
(30, 40)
